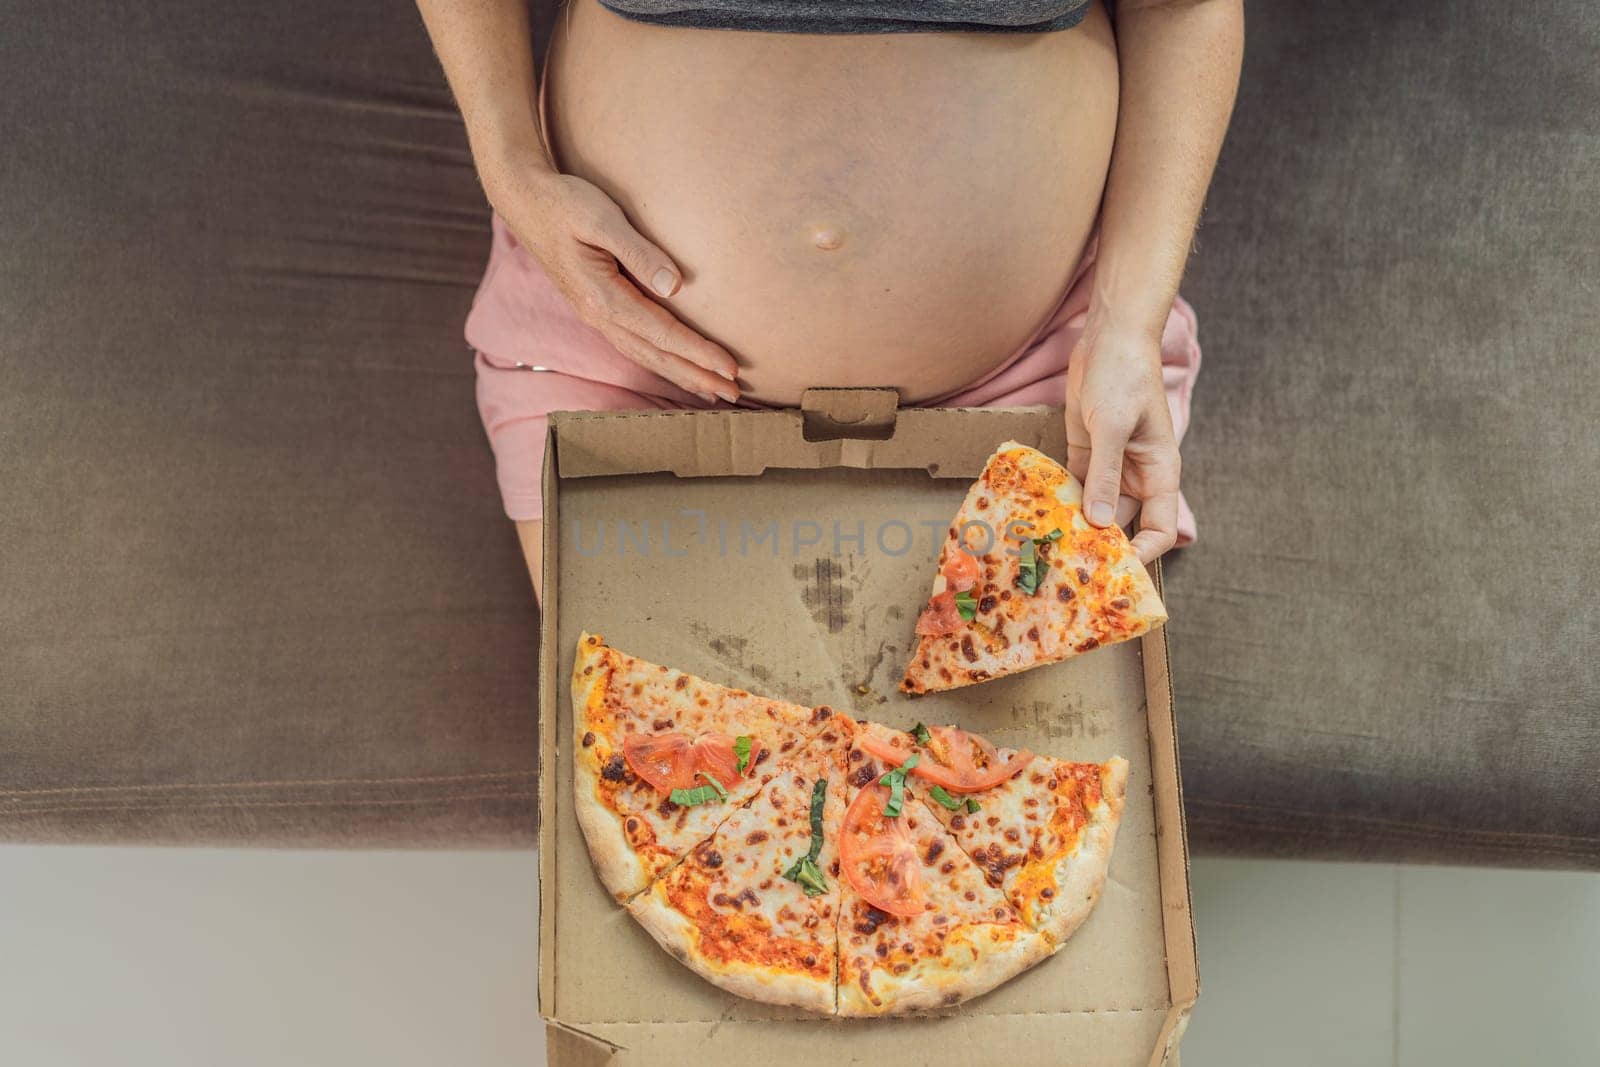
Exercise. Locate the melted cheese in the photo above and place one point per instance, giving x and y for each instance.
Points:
(1027, 826)
(639, 697)
(1093, 590)
(731, 887)
(962, 912)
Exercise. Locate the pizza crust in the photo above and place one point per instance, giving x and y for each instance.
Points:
(929, 986)
(675, 933)
(619, 867)
(1066, 617)
(1080, 876)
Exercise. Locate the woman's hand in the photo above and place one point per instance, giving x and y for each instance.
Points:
(601, 264)
(1120, 443)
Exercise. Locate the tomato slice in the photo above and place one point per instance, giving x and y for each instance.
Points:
(961, 570)
(666, 761)
(672, 761)
(892, 752)
(940, 617)
(714, 754)
(878, 857)
(953, 758)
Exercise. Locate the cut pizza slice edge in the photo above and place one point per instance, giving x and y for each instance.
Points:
(1024, 579)
(920, 928)
(753, 907)
(1042, 830)
(662, 757)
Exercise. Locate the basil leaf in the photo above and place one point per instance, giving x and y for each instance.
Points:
(722, 794)
(973, 807)
(966, 605)
(805, 870)
(688, 798)
(919, 731)
(809, 875)
(741, 748)
(1030, 565)
(819, 800)
(1028, 569)
(704, 794)
(950, 803)
(896, 781)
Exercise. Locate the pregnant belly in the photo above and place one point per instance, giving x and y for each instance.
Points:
(900, 210)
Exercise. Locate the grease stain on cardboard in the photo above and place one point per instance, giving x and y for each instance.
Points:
(824, 593)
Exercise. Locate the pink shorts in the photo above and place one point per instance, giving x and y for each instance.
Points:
(535, 356)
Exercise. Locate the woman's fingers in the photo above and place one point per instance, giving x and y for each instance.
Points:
(634, 312)
(601, 223)
(1102, 483)
(1158, 525)
(1122, 472)
(594, 256)
(674, 368)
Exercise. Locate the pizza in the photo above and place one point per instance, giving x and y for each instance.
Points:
(1041, 829)
(754, 907)
(653, 744)
(919, 926)
(1025, 580)
(832, 864)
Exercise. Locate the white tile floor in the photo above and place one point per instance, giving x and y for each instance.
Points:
(1345, 964)
(135, 957)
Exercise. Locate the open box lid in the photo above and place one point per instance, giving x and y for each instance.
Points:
(789, 552)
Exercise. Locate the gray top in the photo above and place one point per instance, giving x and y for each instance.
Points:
(858, 16)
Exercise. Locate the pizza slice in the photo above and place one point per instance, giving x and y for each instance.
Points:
(1024, 579)
(1041, 829)
(919, 926)
(661, 757)
(754, 907)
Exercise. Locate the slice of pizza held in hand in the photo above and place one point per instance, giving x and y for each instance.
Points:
(661, 757)
(1025, 580)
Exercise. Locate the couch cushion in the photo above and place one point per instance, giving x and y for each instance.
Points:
(257, 585)
(1384, 644)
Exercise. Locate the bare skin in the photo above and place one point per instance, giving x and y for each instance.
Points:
(752, 214)
(531, 533)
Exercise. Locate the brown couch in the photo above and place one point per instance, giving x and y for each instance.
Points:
(254, 582)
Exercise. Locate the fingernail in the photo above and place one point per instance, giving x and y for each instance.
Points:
(664, 282)
(1100, 513)
(729, 396)
(728, 374)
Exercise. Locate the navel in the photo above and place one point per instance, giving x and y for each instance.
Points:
(828, 238)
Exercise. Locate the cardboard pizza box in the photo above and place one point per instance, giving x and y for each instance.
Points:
(789, 553)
